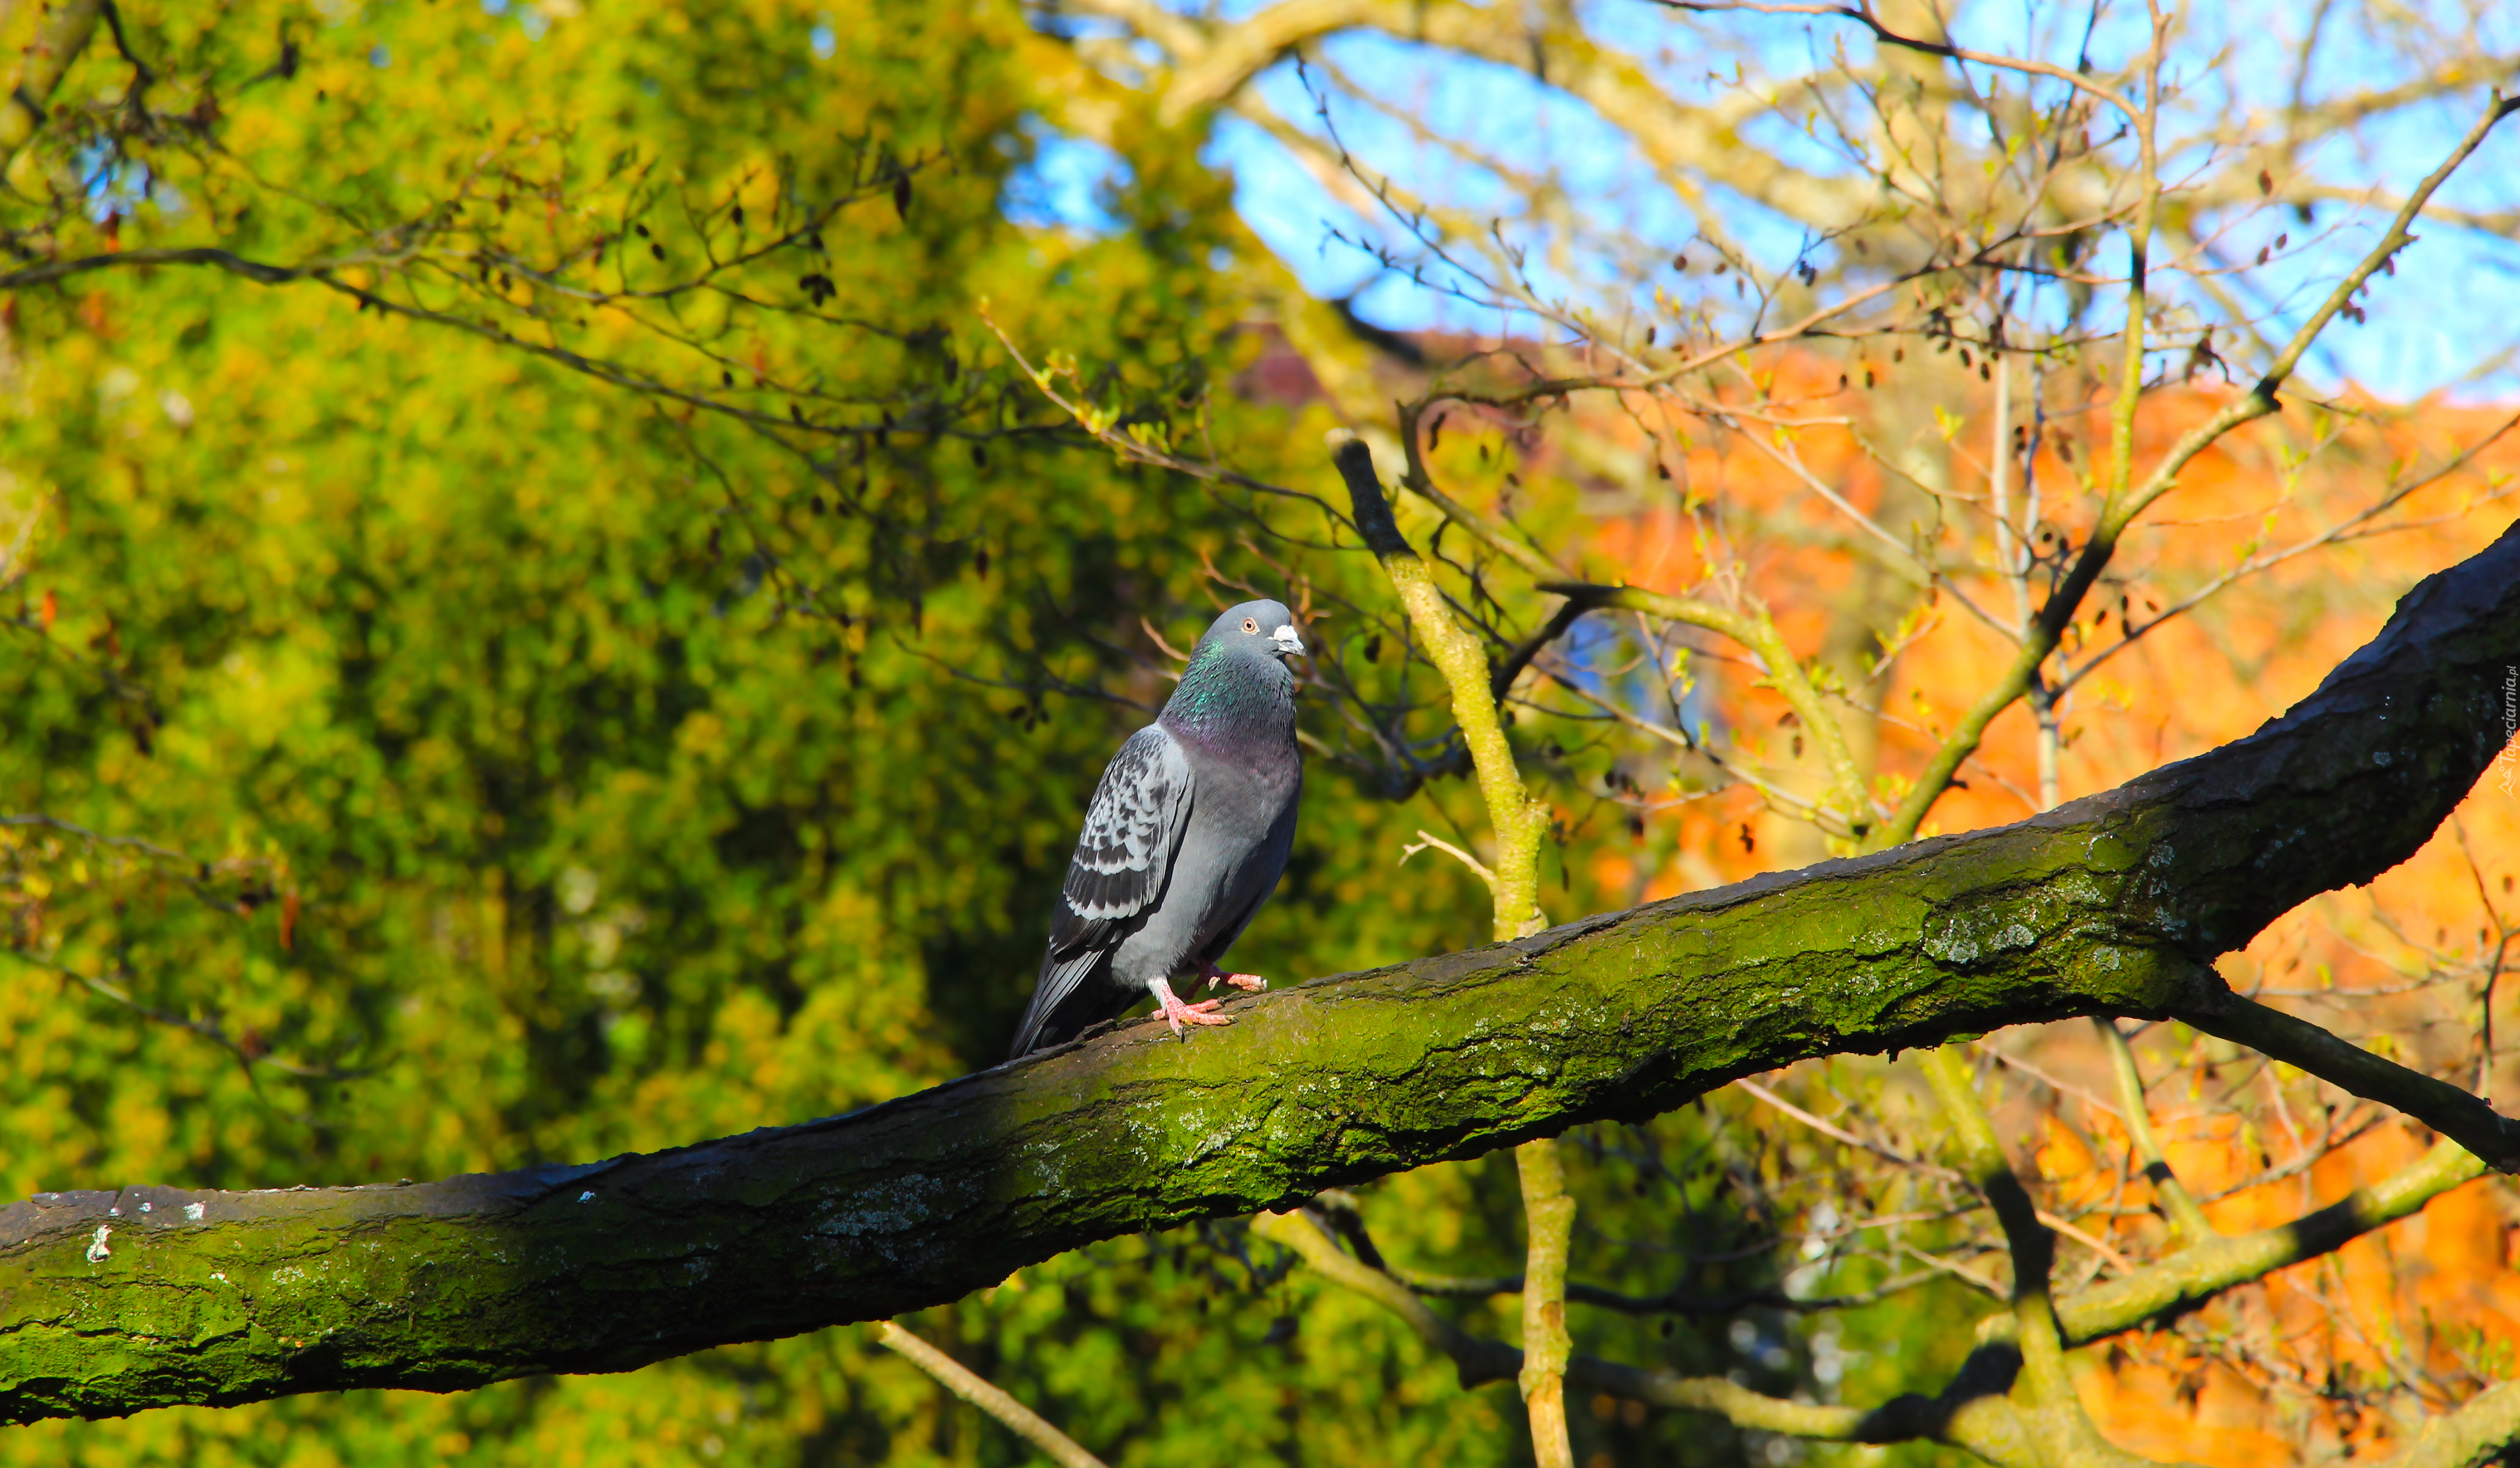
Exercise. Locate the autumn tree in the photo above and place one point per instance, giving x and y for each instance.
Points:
(1734, 547)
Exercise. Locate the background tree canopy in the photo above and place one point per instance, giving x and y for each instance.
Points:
(540, 620)
(506, 804)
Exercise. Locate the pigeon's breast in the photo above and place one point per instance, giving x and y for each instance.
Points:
(1245, 795)
(1242, 818)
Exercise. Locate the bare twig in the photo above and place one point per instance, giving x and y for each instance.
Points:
(967, 1383)
(2188, 1223)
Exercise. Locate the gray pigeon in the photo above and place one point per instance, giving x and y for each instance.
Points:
(1186, 836)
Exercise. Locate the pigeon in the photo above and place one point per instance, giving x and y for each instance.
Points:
(1185, 838)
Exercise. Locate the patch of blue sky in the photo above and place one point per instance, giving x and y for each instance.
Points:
(1630, 222)
(1494, 112)
(1064, 182)
(2438, 324)
(1294, 215)
(2441, 322)
(2444, 312)
(118, 184)
(1602, 657)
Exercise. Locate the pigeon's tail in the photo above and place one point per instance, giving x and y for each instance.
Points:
(1060, 1001)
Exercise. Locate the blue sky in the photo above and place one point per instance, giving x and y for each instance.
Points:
(2454, 300)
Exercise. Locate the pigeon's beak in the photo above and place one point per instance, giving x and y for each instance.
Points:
(1287, 643)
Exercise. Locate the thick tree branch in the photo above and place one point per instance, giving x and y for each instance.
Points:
(115, 1301)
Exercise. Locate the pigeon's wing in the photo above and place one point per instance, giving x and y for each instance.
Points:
(1123, 857)
(1126, 848)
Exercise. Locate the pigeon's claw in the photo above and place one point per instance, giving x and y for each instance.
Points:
(1178, 1014)
(1248, 983)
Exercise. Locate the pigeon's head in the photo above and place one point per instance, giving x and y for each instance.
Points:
(1266, 628)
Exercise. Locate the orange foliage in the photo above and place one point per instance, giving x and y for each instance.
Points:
(2433, 1292)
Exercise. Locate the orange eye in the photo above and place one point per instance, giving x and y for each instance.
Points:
(1249, 625)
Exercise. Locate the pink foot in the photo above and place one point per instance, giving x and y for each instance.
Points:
(1178, 1014)
(1248, 983)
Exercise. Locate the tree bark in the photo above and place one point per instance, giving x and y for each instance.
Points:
(112, 1302)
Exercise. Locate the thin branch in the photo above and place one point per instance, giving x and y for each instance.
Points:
(1840, 1133)
(1549, 1218)
(2341, 530)
(2187, 1224)
(2185, 1279)
(2456, 1113)
(1863, 15)
(1425, 841)
(245, 1054)
(2125, 504)
(963, 1382)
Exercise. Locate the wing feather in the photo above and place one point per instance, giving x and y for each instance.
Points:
(1123, 859)
(1126, 850)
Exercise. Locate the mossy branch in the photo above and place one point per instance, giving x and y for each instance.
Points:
(115, 1301)
(2172, 1286)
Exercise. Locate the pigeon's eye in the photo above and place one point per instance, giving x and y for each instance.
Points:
(1249, 625)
